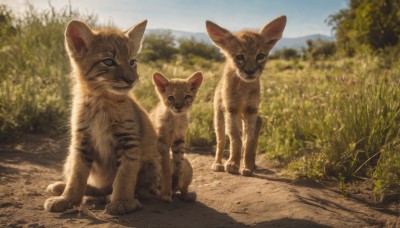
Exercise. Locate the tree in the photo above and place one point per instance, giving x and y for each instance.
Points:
(158, 45)
(319, 49)
(372, 24)
(191, 47)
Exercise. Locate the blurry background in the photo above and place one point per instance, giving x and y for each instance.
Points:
(330, 97)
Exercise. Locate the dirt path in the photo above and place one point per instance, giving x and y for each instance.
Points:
(265, 200)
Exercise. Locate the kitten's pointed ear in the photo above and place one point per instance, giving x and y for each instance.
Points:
(220, 36)
(135, 35)
(273, 31)
(195, 80)
(160, 81)
(78, 37)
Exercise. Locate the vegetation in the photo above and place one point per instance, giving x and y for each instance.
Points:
(367, 25)
(328, 118)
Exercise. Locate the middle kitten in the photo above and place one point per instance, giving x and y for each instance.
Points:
(170, 118)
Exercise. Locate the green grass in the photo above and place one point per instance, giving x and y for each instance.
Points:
(337, 118)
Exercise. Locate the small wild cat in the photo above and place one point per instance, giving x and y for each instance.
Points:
(171, 120)
(237, 96)
(112, 137)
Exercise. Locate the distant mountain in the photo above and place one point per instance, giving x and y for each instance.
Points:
(296, 43)
(300, 42)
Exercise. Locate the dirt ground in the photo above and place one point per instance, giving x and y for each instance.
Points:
(267, 199)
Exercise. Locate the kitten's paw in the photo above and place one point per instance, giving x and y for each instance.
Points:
(56, 189)
(57, 204)
(246, 172)
(122, 206)
(188, 197)
(218, 167)
(231, 168)
(166, 198)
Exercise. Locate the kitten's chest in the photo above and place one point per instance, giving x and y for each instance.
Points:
(105, 122)
(180, 125)
(241, 95)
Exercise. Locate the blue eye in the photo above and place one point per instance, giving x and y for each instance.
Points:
(260, 56)
(132, 63)
(170, 98)
(109, 62)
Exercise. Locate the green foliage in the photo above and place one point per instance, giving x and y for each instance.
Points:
(163, 46)
(286, 54)
(320, 49)
(158, 46)
(332, 120)
(34, 83)
(189, 48)
(370, 25)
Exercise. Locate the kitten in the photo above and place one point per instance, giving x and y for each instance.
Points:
(237, 96)
(112, 136)
(171, 120)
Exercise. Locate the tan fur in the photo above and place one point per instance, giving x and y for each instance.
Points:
(237, 96)
(171, 120)
(112, 137)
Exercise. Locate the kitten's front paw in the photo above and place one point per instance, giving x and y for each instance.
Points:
(218, 167)
(188, 197)
(122, 206)
(57, 204)
(246, 172)
(166, 196)
(56, 189)
(231, 168)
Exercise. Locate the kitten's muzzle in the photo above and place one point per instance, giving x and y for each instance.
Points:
(129, 80)
(178, 108)
(250, 73)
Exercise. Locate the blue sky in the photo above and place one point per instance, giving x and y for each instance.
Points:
(305, 17)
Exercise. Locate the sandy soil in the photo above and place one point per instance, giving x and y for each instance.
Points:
(267, 199)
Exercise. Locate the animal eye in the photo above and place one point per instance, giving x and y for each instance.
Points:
(239, 57)
(170, 98)
(132, 63)
(187, 97)
(109, 62)
(260, 56)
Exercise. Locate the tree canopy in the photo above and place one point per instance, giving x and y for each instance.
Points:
(372, 25)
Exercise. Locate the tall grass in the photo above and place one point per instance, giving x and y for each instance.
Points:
(335, 118)
(34, 83)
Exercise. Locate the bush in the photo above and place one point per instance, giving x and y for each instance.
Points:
(158, 45)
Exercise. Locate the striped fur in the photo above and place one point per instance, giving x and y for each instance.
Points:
(112, 137)
(171, 120)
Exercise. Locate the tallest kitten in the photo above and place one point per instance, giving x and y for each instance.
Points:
(237, 96)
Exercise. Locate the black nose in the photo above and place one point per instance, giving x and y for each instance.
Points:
(128, 80)
(249, 72)
(179, 106)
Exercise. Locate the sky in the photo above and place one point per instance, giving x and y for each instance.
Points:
(305, 17)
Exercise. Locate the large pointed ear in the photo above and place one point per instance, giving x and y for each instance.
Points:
(195, 81)
(78, 37)
(273, 31)
(160, 81)
(135, 35)
(220, 36)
